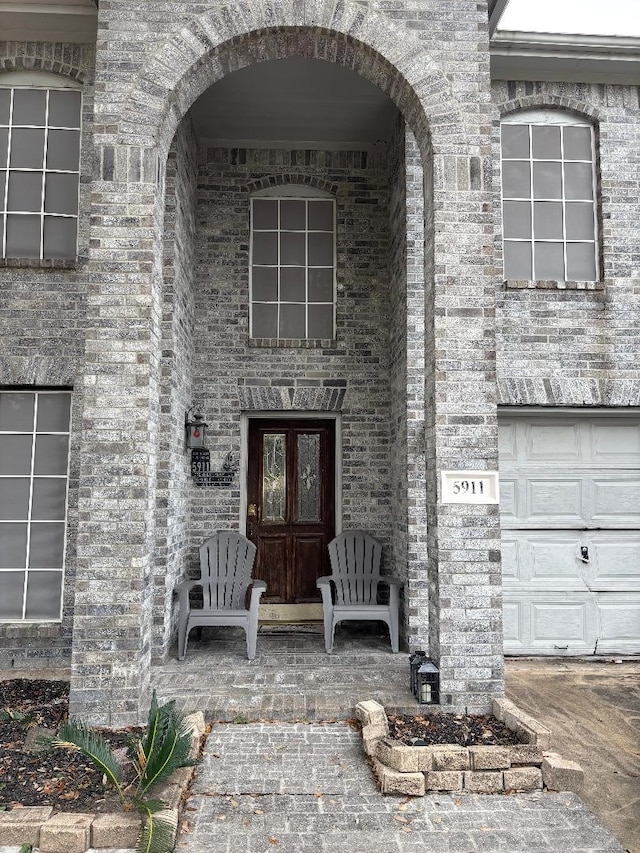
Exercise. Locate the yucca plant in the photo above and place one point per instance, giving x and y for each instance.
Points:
(163, 748)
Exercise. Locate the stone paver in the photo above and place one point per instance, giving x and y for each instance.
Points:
(308, 788)
(291, 678)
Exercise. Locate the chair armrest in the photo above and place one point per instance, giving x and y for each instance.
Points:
(324, 585)
(390, 581)
(184, 588)
(257, 588)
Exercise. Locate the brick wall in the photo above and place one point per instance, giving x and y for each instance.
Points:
(43, 322)
(574, 347)
(432, 60)
(357, 364)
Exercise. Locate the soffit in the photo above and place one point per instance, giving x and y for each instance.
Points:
(35, 20)
(309, 102)
(565, 58)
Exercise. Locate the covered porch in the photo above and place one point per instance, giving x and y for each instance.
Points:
(291, 677)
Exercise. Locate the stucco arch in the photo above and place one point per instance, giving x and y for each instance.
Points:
(237, 35)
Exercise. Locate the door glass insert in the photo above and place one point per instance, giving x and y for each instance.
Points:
(309, 477)
(274, 477)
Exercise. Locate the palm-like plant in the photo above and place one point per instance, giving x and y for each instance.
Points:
(163, 748)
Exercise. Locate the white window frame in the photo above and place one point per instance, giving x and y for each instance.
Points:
(285, 193)
(552, 117)
(38, 393)
(48, 83)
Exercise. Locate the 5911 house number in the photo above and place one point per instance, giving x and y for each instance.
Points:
(469, 487)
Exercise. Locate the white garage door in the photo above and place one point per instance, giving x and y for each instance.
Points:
(570, 516)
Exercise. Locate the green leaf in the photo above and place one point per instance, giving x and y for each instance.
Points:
(155, 722)
(168, 755)
(26, 848)
(76, 737)
(159, 830)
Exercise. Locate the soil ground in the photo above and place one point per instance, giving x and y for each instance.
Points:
(31, 775)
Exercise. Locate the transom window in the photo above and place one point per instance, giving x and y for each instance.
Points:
(548, 196)
(39, 172)
(292, 267)
(34, 473)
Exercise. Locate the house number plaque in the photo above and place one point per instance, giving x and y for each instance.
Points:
(469, 487)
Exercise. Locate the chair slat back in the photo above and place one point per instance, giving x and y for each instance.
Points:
(355, 566)
(226, 561)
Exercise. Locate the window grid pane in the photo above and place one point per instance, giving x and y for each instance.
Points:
(555, 181)
(31, 117)
(33, 503)
(292, 249)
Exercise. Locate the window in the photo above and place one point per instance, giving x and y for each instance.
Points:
(39, 172)
(34, 466)
(292, 267)
(548, 197)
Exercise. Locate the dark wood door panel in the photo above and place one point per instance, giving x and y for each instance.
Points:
(309, 550)
(290, 514)
(271, 563)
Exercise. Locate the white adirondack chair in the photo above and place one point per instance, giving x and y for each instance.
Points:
(226, 561)
(351, 591)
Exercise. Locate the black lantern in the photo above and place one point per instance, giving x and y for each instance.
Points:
(195, 428)
(425, 679)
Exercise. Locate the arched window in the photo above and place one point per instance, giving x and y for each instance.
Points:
(548, 197)
(40, 129)
(292, 264)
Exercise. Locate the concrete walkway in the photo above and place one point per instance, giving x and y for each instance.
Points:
(307, 788)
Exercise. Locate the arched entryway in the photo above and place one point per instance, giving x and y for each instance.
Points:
(394, 411)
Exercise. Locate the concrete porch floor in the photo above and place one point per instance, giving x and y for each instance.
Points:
(291, 677)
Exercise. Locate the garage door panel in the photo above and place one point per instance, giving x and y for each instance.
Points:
(563, 623)
(546, 627)
(614, 560)
(511, 563)
(508, 498)
(512, 624)
(617, 500)
(616, 444)
(554, 441)
(554, 559)
(619, 617)
(507, 444)
(561, 498)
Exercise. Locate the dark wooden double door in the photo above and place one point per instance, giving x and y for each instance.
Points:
(291, 505)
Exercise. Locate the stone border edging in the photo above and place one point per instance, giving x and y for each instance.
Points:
(418, 770)
(75, 832)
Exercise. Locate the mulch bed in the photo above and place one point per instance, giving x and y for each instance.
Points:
(52, 777)
(463, 730)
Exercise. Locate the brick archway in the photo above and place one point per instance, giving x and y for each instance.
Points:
(225, 40)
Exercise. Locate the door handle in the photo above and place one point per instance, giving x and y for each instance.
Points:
(584, 554)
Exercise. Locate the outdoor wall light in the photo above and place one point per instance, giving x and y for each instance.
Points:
(195, 428)
(424, 678)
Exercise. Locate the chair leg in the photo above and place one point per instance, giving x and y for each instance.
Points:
(333, 637)
(394, 631)
(328, 631)
(183, 638)
(252, 638)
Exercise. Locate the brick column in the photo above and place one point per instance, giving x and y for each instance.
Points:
(112, 625)
(462, 433)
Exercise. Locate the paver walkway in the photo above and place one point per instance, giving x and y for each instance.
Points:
(306, 788)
